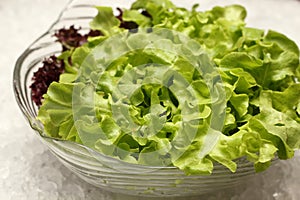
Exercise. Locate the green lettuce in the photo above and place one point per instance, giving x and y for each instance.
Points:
(132, 97)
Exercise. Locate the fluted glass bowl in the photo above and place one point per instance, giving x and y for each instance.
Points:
(102, 171)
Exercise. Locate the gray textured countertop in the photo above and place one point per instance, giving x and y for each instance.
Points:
(29, 171)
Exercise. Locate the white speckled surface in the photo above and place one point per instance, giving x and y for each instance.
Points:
(29, 171)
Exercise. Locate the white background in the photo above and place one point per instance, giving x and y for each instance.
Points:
(29, 171)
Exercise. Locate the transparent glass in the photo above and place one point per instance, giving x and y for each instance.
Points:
(102, 171)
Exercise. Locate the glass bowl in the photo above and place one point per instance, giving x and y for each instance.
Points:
(97, 169)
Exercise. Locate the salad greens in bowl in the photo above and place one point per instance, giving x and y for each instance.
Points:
(154, 99)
